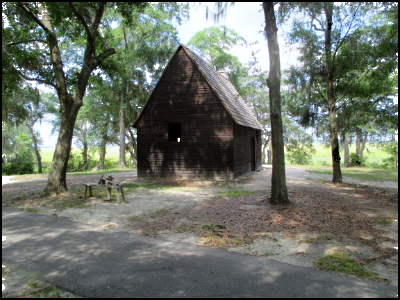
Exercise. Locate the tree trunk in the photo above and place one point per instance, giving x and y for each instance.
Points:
(358, 141)
(35, 143)
(278, 182)
(361, 140)
(133, 147)
(265, 149)
(100, 165)
(337, 173)
(122, 161)
(58, 172)
(269, 153)
(363, 143)
(346, 150)
(85, 147)
(69, 105)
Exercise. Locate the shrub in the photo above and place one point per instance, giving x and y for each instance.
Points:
(110, 164)
(299, 153)
(373, 165)
(76, 163)
(393, 150)
(356, 160)
(18, 169)
(130, 163)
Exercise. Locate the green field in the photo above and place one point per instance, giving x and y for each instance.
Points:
(47, 154)
(371, 153)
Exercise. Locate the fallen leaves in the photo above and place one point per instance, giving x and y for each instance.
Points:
(338, 213)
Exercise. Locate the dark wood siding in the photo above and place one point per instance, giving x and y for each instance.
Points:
(242, 148)
(206, 145)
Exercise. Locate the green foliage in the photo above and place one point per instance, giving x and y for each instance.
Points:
(299, 145)
(364, 55)
(17, 151)
(213, 44)
(109, 163)
(299, 154)
(76, 164)
(356, 160)
(17, 168)
(130, 163)
(143, 48)
(392, 149)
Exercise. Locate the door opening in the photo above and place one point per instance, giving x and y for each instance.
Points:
(253, 154)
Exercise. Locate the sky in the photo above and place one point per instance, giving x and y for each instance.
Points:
(247, 19)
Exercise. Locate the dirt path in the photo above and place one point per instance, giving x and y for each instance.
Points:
(325, 217)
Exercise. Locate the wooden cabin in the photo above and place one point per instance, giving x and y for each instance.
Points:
(195, 125)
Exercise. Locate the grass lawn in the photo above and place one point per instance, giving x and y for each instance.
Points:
(371, 154)
(356, 172)
(322, 164)
(47, 154)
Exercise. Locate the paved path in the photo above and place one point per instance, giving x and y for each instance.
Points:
(94, 262)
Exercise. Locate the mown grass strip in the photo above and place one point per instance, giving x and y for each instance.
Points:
(340, 262)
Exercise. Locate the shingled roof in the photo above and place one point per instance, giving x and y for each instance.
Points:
(225, 92)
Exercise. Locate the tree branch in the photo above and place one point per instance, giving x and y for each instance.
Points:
(35, 18)
(81, 20)
(36, 79)
(315, 27)
(99, 58)
(28, 41)
(348, 82)
(341, 42)
(321, 24)
(322, 95)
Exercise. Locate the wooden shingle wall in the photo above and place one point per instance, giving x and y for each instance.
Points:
(206, 146)
(242, 149)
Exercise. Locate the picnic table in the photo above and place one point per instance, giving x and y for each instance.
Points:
(107, 183)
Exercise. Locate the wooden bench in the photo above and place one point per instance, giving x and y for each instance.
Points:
(108, 184)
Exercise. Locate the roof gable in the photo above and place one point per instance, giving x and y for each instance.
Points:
(223, 89)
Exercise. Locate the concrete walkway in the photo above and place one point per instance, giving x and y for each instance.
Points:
(94, 262)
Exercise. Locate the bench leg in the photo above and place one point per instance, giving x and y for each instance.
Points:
(117, 196)
(108, 193)
(90, 189)
(85, 191)
(122, 193)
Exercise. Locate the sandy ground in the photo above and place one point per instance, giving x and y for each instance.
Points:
(292, 249)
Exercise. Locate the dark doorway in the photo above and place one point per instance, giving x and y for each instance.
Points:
(253, 154)
(174, 132)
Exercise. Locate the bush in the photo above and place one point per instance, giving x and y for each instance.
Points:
(76, 164)
(356, 160)
(299, 157)
(18, 169)
(110, 164)
(46, 168)
(392, 149)
(299, 154)
(373, 165)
